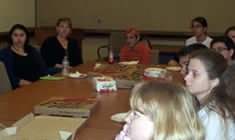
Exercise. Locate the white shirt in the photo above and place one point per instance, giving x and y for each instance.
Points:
(215, 126)
(193, 40)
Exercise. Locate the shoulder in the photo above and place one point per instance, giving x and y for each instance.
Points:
(49, 43)
(190, 41)
(72, 42)
(34, 50)
(71, 39)
(209, 39)
(191, 38)
(125, 48)
(6, 55)
(207, 115)
(50, 39)
(142, 46)
(6, 50)
(214, 124)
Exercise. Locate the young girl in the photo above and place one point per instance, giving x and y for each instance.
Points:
(161, 111)
(199, 29)
(204, 81)
(134, 50)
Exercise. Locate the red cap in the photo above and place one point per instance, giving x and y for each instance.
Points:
(134, 30)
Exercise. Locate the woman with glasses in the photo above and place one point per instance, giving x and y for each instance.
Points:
(199, 29)
(225, 47)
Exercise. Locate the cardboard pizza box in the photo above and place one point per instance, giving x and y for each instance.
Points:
(43, 128)
(73, 107)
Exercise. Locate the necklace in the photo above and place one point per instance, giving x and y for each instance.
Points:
(63, 42)
(19, 51)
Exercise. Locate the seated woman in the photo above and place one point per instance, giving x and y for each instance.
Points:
(161, 111)
(199, 29)
(135, 50)
(204, 81)
(23, 63)
(54, 49)
(230, 32)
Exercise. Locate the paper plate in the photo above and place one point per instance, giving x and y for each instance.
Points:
(120, 117)
(77, 75)
(173, 68)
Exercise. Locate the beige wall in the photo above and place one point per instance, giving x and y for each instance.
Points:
(16, 11)
(163, 15)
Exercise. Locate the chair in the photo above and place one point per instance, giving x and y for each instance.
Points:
(117, 40)
(155, 56)
(5, 84)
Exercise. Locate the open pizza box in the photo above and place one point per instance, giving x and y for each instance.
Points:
(42, 127)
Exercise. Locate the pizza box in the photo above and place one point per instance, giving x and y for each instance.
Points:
(72, 107)
(33, 127)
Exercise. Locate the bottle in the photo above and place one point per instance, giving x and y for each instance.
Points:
(111, 57)
(65, 64)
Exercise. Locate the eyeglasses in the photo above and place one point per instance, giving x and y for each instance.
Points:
(219, 49)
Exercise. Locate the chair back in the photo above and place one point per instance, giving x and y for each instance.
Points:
(5, 84)
(117, 40)
(155, 56)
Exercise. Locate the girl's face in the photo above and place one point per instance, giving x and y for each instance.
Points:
(63, 29)
(131, 39)
(18, 38)
(197, 80)
(184, 63)
(231, 34)
(221, 48)
(138, 127)
(198, 29)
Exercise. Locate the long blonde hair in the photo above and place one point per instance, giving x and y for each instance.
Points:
(171, 108)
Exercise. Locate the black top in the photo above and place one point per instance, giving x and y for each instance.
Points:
(7, 56)
(26, 67)
(53, 52)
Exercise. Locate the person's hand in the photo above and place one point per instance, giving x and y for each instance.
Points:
(58, 66)
(24, 82)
